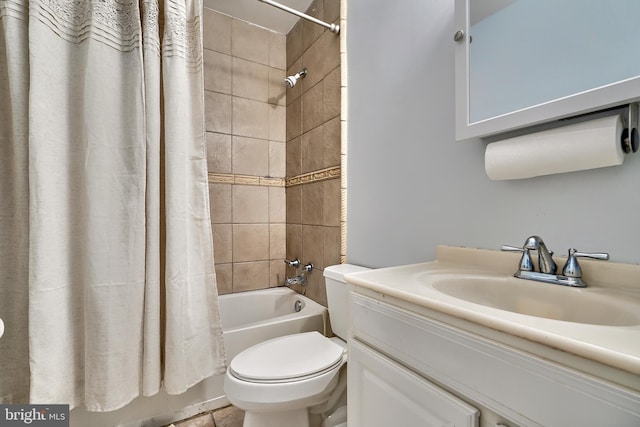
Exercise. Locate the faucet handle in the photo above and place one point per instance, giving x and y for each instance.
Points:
(525, 261)
(295, 263)
(572, 268)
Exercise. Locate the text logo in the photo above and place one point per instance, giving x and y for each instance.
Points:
(34, 415)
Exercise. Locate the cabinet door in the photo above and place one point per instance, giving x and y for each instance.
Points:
(382, 393)
(511, 71)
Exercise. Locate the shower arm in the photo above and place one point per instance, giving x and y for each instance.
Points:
(332, 27)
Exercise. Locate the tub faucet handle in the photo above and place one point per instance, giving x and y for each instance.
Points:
(295, 263)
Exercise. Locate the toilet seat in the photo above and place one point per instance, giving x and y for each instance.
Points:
(285, 373)
(290, 358)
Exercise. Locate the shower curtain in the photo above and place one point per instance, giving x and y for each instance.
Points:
(107, 282)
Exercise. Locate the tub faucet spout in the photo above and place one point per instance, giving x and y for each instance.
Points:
(296, 280)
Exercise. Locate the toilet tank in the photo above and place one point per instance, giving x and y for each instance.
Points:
(337, 295)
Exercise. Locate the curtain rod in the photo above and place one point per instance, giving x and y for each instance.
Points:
(332, 27)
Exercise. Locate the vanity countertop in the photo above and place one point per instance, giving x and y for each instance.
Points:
(616, 346)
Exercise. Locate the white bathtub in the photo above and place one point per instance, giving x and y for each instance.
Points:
(252, 317)
(247, 319)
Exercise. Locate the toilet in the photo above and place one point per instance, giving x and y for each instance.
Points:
(281, 381)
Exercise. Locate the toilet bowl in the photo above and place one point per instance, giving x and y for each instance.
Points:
(276, 382)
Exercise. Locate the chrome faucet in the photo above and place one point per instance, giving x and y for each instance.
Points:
(546, 264)
(571, 272)
(300, 279)
(296, 280)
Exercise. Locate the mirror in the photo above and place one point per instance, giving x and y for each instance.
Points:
(526, 62)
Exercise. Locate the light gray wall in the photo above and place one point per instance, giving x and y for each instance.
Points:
(411, 186)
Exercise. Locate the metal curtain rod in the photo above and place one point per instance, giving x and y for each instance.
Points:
(332, 27)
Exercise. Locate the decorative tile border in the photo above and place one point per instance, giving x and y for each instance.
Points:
(220, 178)
(228, 178)
(265, 181)
(316, 176)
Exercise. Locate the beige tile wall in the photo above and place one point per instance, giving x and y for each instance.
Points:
(245, 103)
(258, 128)
(313, 144)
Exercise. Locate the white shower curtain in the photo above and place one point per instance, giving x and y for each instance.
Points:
(107, 283)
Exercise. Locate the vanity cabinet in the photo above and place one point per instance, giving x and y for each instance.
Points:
(405, 362)
(385, 393)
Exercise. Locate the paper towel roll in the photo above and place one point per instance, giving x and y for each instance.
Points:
(586, 145)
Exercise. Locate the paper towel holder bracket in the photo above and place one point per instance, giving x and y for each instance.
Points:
(629, 138)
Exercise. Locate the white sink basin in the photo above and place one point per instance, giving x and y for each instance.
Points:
(600, 322)
(539, 299)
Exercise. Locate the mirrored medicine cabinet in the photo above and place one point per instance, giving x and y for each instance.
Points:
(525, 62)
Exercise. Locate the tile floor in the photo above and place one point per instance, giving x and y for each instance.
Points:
(228, 416)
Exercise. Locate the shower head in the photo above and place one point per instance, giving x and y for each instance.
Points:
(291, 80)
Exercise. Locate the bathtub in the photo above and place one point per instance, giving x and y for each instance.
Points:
(255, 316)
(247, 319)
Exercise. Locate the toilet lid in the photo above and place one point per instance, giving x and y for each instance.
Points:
(287, 358)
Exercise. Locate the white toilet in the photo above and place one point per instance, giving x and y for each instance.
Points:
(277, 382)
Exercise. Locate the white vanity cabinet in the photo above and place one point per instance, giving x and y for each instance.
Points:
(384, 393)
(407, 368)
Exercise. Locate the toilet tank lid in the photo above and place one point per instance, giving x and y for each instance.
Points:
(338, 271)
